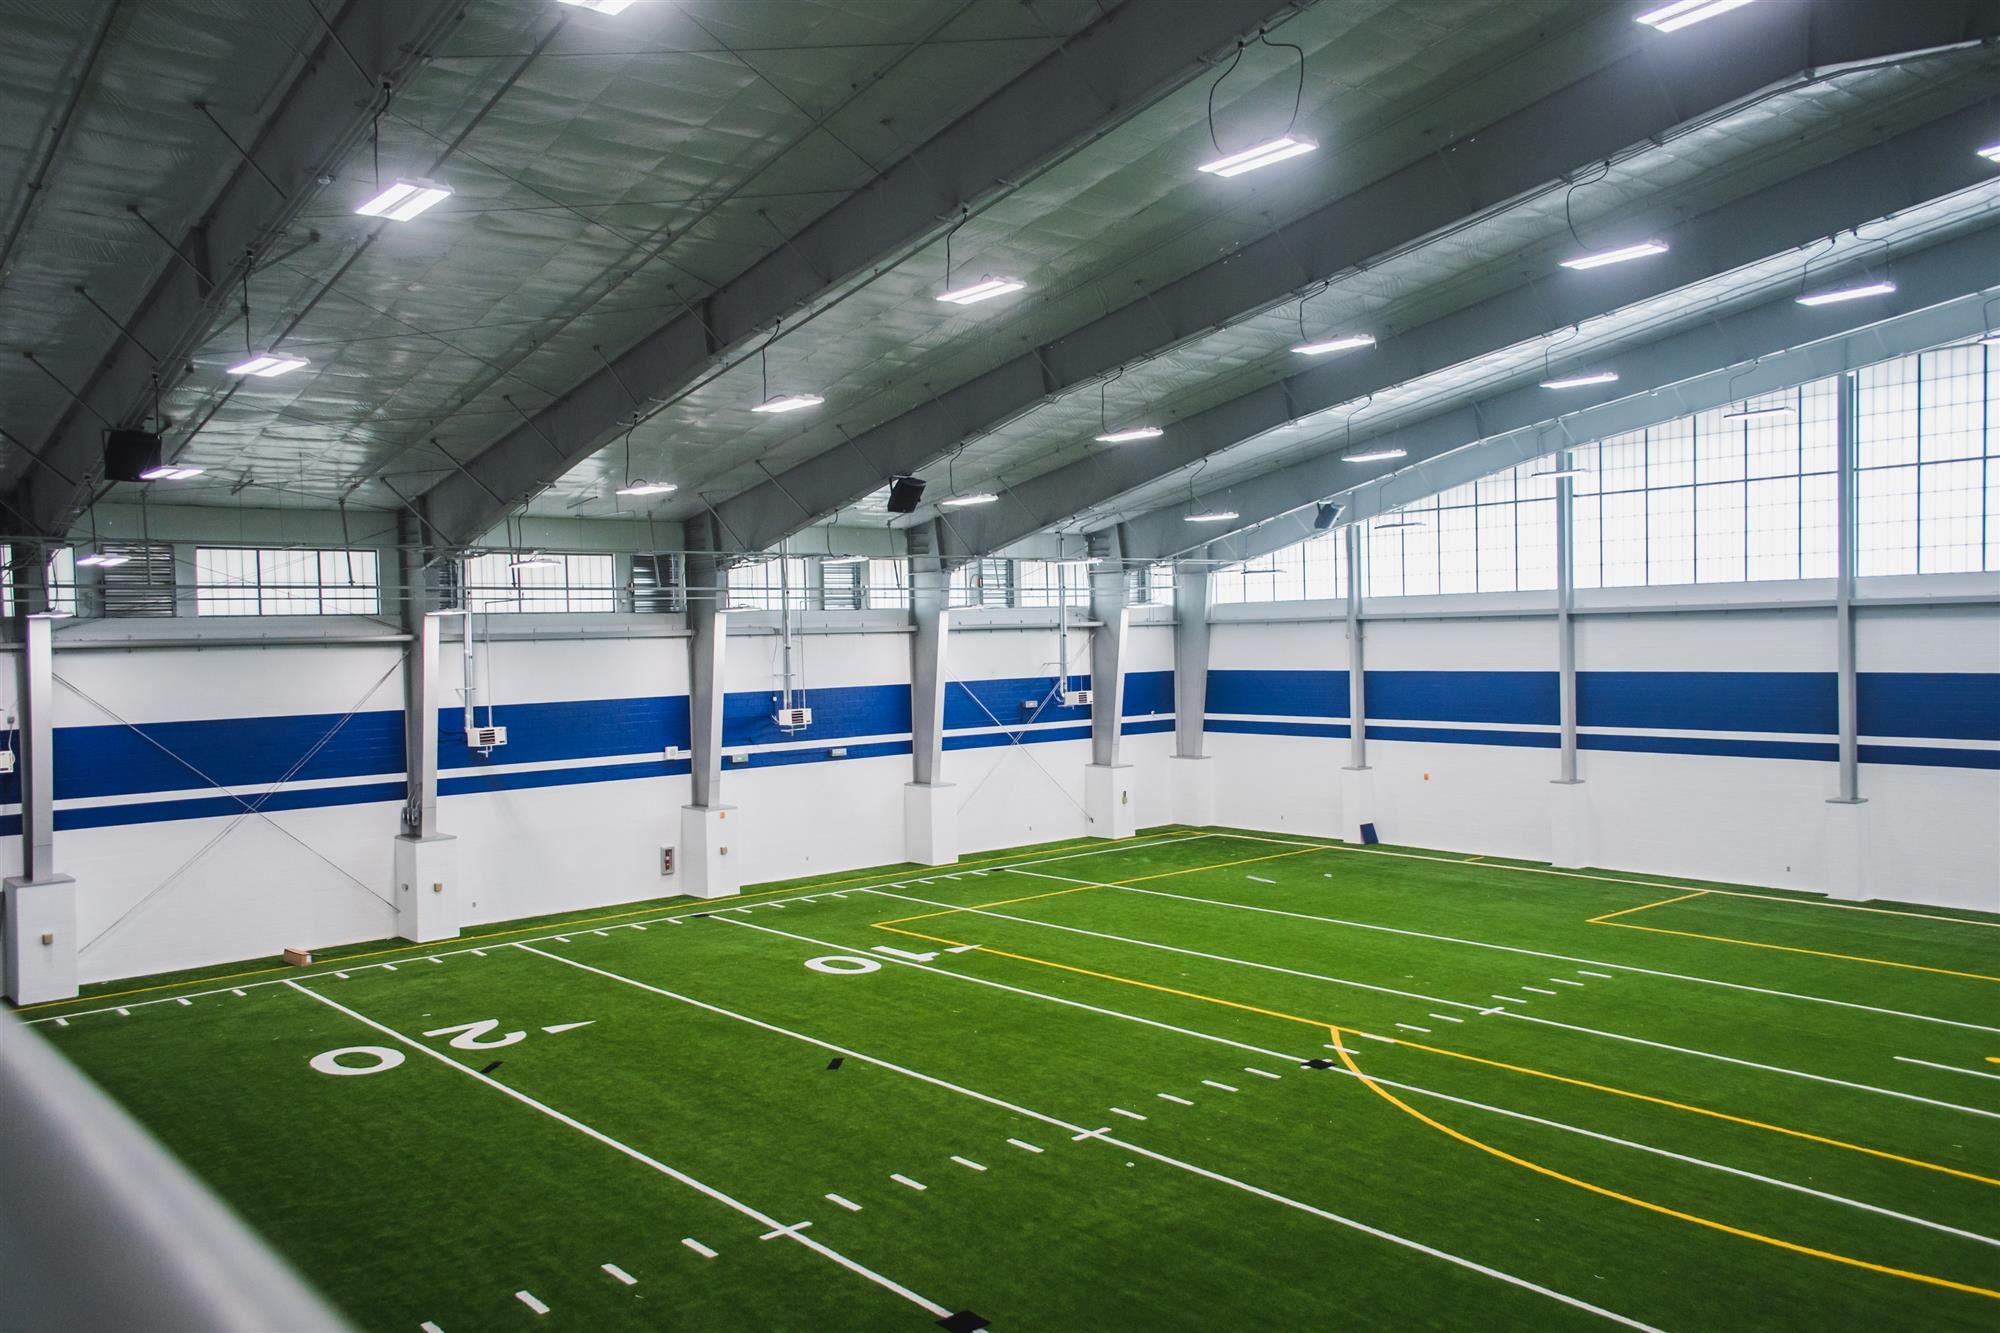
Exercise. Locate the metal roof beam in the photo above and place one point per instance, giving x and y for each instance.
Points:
(327, 110)
(1937, 300)
(1643, 95)
(1937, 160)
(1137, 53)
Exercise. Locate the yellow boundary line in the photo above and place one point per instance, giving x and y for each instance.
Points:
(1661, 1209)
(657, 905)
(1645, 907)
(1795, 1247)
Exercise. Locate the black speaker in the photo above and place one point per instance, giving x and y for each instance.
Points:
(904, 494)
(130, 453)
(1328, 511)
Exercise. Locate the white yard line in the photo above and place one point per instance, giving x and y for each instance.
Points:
(1446, 1017)
(905, 1180)
(1209, 1082)
(698, 1247)
(1539, 990)
(527, 1298)
(1177, 1101)
(1024, 1147)
(710, 1191)
(1261, 1073)
(967, 1163)
(1413, 1027)
(1129, 1115)
(620, 1274)
(1753, 1064)
(1416, 1089)
(1122, 1144)
(848, 1204)
(1954, 1069)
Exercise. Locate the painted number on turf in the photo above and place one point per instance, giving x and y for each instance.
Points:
(472, 1036)
(843, 965)
(383, 1057)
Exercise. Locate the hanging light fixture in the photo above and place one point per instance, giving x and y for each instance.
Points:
(977, 498)
(988, 285)
(784, 402)
(171, 472)
(1281, 148)
(1127, 434)
(1212, 516)
(268, 365)
(404, 200)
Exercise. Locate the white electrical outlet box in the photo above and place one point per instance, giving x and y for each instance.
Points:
(793, 719)
(837, 752)
(6, 761)
(1076, 698)
(673, 752)
(666, 860)
(485, 738)
(739, 757)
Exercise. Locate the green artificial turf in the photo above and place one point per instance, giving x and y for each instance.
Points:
(1688, 1116)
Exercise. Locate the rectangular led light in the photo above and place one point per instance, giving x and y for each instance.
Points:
(102, 559)
(1127, 436)
(1262, 155)
(843, 560)
(170, 472)
(1839, 294)
(961, 501)
(404, 200)
(985, 289)
(268, 365)
(1565, 472)
(1759, 413)
(535, 562)
(1340, 344)
(1212, 516)
(789, 402)
(1578, 381)
(602, 6)
(1680, 14)
(1991, 152)
(1395, 523)
(1365, 455)
(647, 488)
(1603, 258)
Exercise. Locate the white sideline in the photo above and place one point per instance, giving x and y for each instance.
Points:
(1350, 1223)
(738, 1205)
(1441, 1096)
(480, 951)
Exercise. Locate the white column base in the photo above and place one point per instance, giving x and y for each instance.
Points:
(705, 869)
(1193, 776)
(429, 898)
(1846, 843)
(1572, 843)
(1108, 808)
(1357, 802)
(41, 939)
(930, 823)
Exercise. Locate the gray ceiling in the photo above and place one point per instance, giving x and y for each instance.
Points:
(611, 172)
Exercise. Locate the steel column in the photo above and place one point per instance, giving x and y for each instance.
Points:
(1190, 659)
(1357, 685)
(1843, 604)
(929, 588)
(37, 740)
(1565, 623)
(705, 678)
(1107, 651)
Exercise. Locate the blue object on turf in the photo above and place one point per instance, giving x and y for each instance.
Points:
(1368, 835)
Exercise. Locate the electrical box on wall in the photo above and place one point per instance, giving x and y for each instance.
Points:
(1076, 698)
(793, 719)
(485, 738)
(6, 761)
(666, 860)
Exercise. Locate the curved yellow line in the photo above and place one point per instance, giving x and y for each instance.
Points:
(1758, 1236)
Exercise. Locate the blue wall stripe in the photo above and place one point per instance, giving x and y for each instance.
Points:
(1935, 705)
(1278, 693)
(1462, 696)
(1794, 701)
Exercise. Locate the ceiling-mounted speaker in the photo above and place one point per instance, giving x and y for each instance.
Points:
(1328, 512)
(905, 493)
(129, 454)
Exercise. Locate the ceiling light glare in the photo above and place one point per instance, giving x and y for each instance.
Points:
(985, 289)
(404, 200)
(789, 402)
(961, 501)
(1212, 516)
(1343, 343)
(1840, 294)
(170, 472)
(1760, 413)
(1561, 472)
(1682, 13)
(1624, 255)
(1131, 434)
(602, 6)
(1579, 381)
(843, 560)
(102, 560)
(536, 561)
(647, 488)
(1395, 524)
(1262, 155)
(268, 365)
(1367, 455)
(1991, 152)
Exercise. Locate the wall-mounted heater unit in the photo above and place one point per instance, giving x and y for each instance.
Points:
(793, 719)
(1076, 698)
(485, 738)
